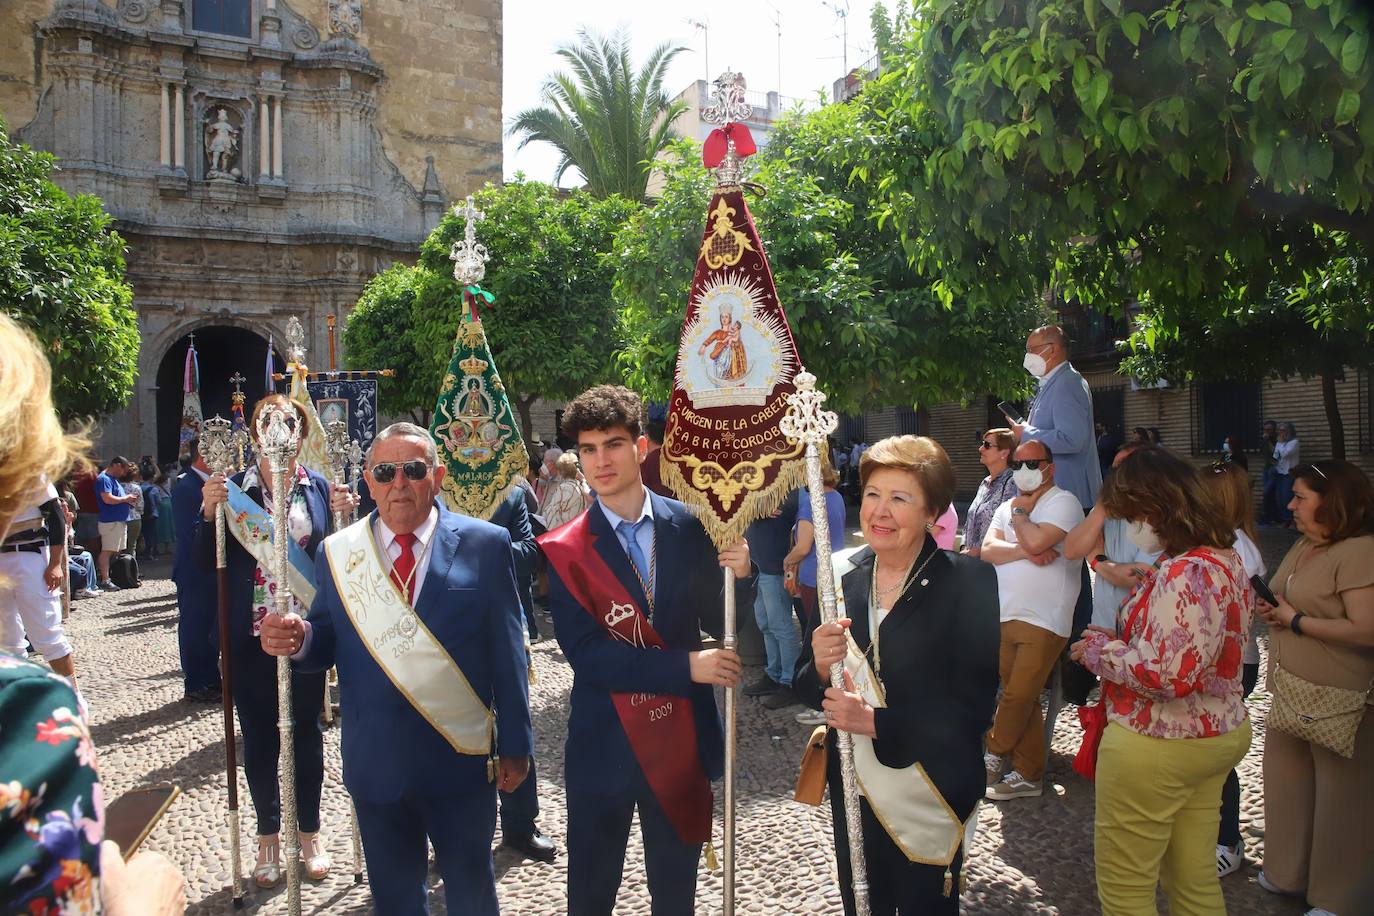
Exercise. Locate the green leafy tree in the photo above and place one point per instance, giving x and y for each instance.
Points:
(62, 275)
(552, 327)
(864, 322)
(606, 119)
(1197, 157)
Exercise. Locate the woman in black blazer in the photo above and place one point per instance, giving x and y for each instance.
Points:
(919, 698)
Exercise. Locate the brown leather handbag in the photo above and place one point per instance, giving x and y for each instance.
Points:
(811, 778)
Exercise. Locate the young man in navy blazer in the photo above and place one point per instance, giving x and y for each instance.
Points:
(641, 564)
(409, 783)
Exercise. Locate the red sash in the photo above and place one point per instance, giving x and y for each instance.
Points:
(661, 728)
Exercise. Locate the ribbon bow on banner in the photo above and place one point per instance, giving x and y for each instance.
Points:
(714, 149)
(470, 297)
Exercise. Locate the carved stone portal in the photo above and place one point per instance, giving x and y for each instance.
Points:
(222, 132)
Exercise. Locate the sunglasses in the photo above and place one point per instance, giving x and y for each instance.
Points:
(1032, 463)
(986, 444)
(385, 471)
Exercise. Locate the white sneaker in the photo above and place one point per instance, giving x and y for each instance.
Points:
(811, 717)
(993, 765)
(1318, 911)
(1014, 785)
(1229, 859)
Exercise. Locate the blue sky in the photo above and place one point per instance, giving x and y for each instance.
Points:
(741, 35)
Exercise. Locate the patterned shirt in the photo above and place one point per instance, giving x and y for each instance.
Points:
(1175, 671)
(992, 492)
(298, 525)
(52, 811)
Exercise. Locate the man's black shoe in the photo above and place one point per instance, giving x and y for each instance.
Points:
(781, 698)
(762, 687)
(533, 846)
(204, 695)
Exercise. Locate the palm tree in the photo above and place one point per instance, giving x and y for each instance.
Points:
(607, 120)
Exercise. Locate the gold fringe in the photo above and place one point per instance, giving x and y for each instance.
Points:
(949, 882)
(712, 862)
(754, 505)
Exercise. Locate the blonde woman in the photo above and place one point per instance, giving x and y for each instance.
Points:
(566, 495)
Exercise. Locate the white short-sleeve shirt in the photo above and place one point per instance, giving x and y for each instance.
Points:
(1041, 595)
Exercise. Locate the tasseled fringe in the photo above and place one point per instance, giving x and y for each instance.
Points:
(712, 862)
(949, 882)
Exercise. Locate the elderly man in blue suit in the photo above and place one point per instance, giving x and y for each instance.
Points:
(1061, 416)
(196, 597)
(633, 581)
(418, 609)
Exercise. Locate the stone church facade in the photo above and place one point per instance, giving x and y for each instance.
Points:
(262, 158)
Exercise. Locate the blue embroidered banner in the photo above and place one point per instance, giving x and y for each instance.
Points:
(340, 397)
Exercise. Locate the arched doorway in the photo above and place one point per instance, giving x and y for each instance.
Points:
(221, 351)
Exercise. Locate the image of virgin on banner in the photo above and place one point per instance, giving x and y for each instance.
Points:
(723, 452)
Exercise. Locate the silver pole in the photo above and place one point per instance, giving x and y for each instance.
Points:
(337, 447)
(806, 422)
(729, 641)
(279, 434)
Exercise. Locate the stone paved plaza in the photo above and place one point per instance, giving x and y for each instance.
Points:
(1033, 856)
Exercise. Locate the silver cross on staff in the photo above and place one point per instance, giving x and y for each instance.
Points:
(468, 255)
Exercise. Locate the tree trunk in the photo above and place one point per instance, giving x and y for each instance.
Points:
(420, 417)
(1333, 416)
(522, 407)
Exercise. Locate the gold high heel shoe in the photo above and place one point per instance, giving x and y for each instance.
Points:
(267, 873)
(313, 856)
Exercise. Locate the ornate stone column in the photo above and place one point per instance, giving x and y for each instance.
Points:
(164, 129)
(179, 137)
(277, 139)
(265, 139)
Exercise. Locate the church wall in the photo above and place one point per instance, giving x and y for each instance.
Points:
(18, 59)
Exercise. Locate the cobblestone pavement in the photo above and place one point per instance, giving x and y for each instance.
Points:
(1033, 856)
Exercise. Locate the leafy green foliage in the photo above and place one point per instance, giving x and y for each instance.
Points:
(864, 323)
(62, 275)
(606, 119)
(551, 330)
(1188, 155)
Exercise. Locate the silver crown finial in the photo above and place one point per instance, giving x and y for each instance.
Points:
(469, 256)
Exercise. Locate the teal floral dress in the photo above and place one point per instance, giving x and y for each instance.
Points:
(52, 812)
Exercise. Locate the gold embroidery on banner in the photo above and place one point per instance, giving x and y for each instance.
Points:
(726, 245)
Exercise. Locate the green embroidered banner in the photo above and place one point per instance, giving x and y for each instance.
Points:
(476, 429)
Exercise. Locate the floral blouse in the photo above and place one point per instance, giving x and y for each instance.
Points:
(299, 526)
(52, 811)
(1175, 670)
(992, 492)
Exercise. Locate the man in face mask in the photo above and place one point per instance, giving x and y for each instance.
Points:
(1037, 588)
(1061, 416)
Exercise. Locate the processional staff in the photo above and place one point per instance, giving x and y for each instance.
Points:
(217, 448)
(279, 438)
(807, 424)
(339, 450)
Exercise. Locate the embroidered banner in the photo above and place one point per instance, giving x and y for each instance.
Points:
(661, 728)
(409, 655)
(475, 427)
(191, 413)
(337, 396)
(723, 452)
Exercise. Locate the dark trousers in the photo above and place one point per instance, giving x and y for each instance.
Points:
(196, 622)
(598, 830)
(255, 698)
(1077, 680)
(1269, 501)
(896, 885)
(459, 826)
(520, 808)
(1228, 834)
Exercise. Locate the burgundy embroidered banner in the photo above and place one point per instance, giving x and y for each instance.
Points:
(723, 451)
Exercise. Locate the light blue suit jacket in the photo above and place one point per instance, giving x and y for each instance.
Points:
(1061, 416)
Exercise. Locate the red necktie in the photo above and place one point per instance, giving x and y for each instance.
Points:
(403, 569)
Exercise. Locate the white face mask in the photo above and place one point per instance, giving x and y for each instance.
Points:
(1142, 535)
(1035, 364)
(1028, 480)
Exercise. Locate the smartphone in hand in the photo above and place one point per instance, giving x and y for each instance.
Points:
(1263, 590)
(1011, 413)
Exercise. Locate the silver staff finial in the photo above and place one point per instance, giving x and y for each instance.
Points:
(217, 444)
(469, 256)
(279, 435)
(805, 421)
(336, 448)
(728, 105)
(295, 341)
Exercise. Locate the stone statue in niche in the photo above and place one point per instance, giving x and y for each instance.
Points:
(221, 146)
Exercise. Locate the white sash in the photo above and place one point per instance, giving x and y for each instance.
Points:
(905, 801)
(401, 644)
